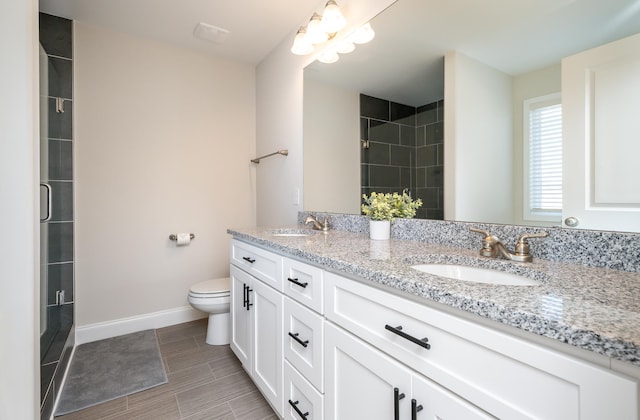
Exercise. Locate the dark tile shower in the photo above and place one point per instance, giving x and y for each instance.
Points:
(56, 196)
(403, 148)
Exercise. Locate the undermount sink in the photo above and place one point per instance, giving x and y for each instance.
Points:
(292, 232)
(475, 274)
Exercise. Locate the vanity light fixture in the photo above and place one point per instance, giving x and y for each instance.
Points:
(321, 29)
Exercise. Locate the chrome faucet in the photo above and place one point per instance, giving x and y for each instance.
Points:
(493, 247)
(317, 225)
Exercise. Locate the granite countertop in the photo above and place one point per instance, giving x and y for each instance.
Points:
(596, 309)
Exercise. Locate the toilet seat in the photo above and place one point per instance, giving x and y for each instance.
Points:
(211, 288)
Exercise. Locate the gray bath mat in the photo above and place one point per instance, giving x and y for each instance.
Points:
(108, 369)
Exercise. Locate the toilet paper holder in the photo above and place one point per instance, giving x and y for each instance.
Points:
(174, 237)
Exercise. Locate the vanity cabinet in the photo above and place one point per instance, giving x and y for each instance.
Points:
(256, 317)
(319, 345)
(502, 375)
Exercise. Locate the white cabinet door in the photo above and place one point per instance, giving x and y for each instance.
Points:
(431, 401)
(361, 382)
(600, 101)
(241, 317)
(266, 331)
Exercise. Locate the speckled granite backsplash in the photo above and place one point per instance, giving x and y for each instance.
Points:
(615, 250)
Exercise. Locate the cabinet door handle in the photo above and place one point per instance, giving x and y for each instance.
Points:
(398, 331)
(249, 260)
(244, 295)
(397, 396)
(304, 343)
(294, 404)
(249, 304)
(296, 282)
(414, 409)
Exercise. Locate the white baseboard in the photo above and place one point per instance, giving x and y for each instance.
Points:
(102, 330)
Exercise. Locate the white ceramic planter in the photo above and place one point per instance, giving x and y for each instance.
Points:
(379, 229)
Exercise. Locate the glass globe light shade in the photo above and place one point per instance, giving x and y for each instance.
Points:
(364, 34)
(332, 18)
(301, 46)
(328, 56)
(345, 47)
(315, 33)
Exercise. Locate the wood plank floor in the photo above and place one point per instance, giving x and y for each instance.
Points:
(205, 383)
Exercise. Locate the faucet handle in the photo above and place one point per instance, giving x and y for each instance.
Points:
(483, 232)
(522, 247)
(489, 243)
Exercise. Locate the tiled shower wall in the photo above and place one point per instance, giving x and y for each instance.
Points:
(56, 340)
(402, 147)
(429, 160)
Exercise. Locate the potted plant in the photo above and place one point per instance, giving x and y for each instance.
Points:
(382, 209)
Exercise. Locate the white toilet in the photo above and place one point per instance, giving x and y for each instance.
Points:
(213, 297)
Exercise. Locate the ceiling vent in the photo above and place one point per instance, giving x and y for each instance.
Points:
(210, 33)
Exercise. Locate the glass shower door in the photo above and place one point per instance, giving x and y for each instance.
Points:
(57, 336)
(49, 322)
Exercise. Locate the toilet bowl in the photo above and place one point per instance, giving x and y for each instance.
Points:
(213, 297)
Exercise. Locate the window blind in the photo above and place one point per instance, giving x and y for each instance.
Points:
(545, 159)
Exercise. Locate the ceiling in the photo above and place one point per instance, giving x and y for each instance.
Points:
(255, 26)
(412, 36)
(404, 62)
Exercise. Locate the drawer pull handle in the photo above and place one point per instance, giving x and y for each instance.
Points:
(414, 409)
(304, 343)
(397, 396)
(249, 259)
(295, 281)
(398, 330)
(294, 404)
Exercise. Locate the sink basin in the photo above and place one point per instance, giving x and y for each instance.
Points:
(475, 274)
(292, 232)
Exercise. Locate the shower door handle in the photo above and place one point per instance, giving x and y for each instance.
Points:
(49, 202)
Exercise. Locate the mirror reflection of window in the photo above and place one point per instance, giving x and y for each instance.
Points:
(543, 158)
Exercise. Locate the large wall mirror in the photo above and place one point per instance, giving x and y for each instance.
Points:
(521, 42)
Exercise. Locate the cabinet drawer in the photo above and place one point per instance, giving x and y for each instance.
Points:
(262, 264)
(495, 371)
(302, 395)
(303, 282)
(304, 341)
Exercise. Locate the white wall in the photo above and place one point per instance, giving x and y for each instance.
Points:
(526, 86)
(163, 139)
(331, 129)
(279, 79)
(19, 329)
(477, 141)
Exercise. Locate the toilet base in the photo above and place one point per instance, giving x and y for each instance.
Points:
(218, 329)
